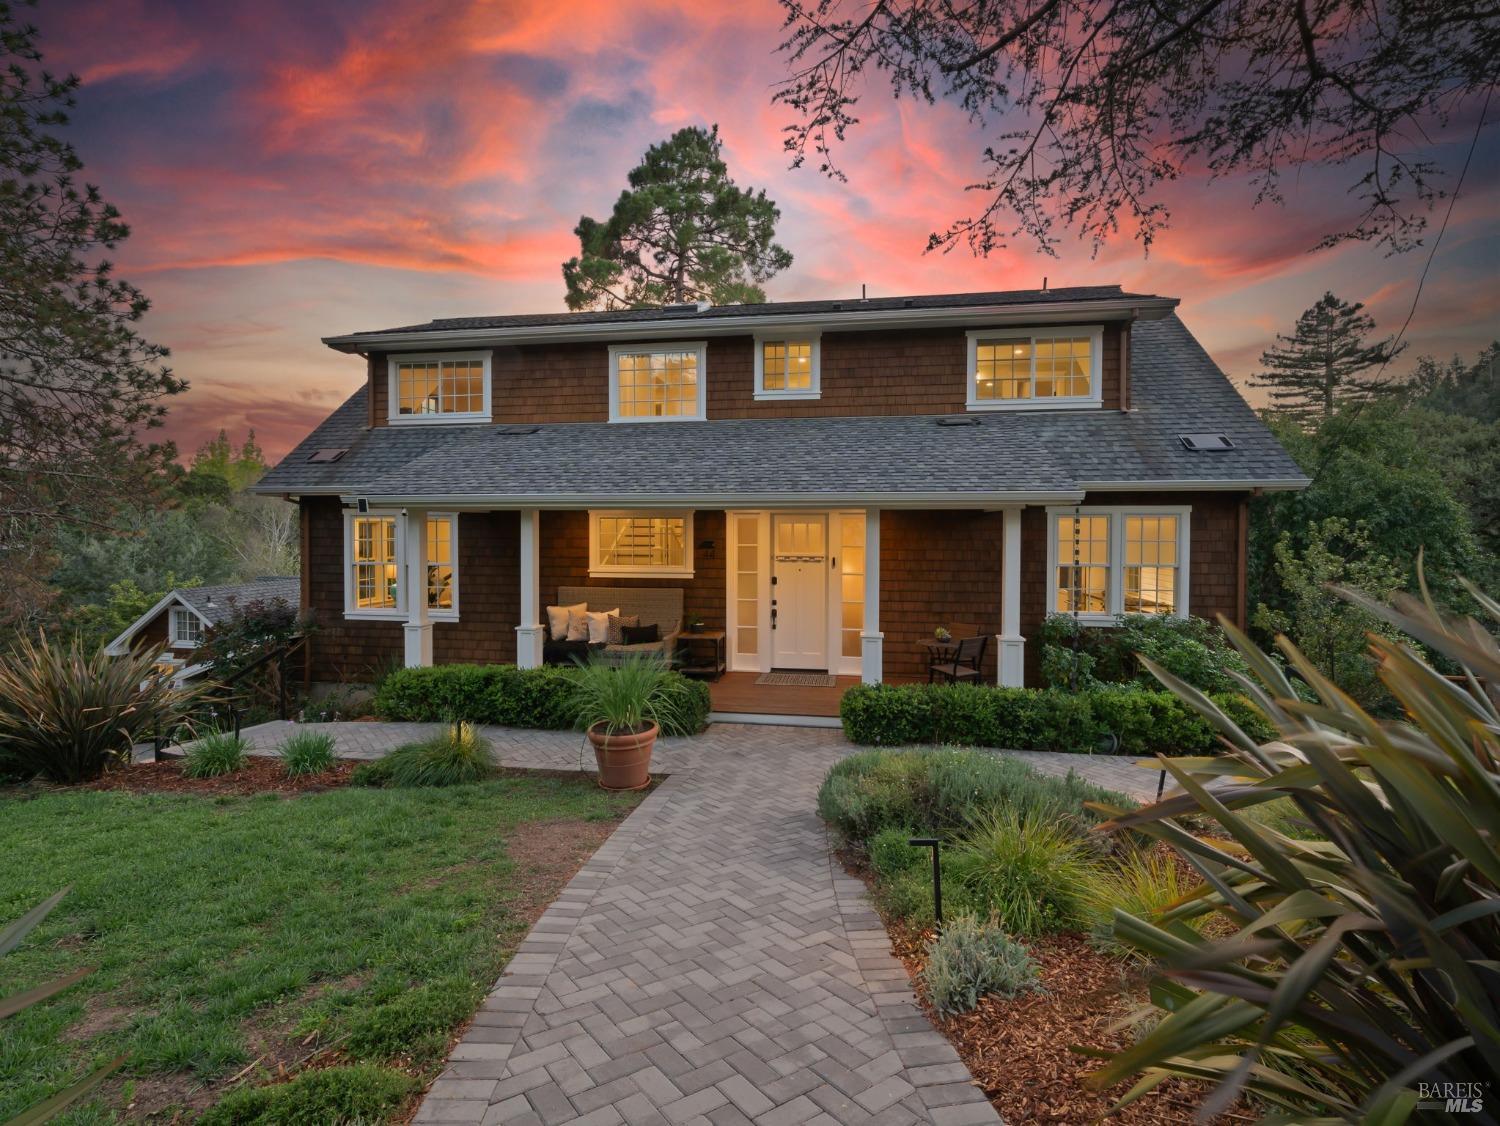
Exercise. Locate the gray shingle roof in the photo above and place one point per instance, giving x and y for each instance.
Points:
(1175, 390)
(778, 309)
(216, 603)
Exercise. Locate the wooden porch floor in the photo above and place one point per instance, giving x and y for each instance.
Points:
(737, 692)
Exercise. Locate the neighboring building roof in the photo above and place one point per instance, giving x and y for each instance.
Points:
(213, 604)
(993, 456)
(216, 603)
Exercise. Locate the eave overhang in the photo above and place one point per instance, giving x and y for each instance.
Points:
(854, 319)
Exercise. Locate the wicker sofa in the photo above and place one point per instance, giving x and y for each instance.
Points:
(659, 606)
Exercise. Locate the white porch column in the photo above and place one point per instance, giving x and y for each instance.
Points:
(529, 632)
(418, 628)
(1011, 665)
(871, 640)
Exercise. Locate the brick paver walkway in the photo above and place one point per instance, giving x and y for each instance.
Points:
(710, 964)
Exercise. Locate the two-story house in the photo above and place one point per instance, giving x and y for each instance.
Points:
(827, 481)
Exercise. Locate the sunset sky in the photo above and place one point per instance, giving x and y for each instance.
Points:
(296, 169)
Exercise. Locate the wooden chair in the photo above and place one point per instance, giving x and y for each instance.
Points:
(968, 659)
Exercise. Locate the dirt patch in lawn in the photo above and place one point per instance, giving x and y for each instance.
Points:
(1020, 1050)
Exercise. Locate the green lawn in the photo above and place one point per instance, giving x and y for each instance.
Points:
(370, 922)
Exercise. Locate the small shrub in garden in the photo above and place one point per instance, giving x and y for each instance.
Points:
(1144, 884)
(891, 854)
(1036, 875)
(1026, 719)
(514, 697)
(307, 752)
(1079, 657)
(459, 755)
(376, 772)
(215, 755)
(971, 959)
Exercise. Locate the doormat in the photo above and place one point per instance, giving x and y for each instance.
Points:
(797, 679)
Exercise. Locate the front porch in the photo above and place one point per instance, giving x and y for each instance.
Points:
(736, 696)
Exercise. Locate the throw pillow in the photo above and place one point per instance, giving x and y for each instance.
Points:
(599, 625)
(557, 620)
(641, 635)
(578, 623)
(617, 623)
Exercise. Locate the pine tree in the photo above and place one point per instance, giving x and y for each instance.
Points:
(77, 381)
(1320, 365)
(681, 232)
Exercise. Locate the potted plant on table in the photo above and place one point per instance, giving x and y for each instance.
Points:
(622, 708)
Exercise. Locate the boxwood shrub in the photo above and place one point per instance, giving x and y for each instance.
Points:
(507, 696)
(1028, 719)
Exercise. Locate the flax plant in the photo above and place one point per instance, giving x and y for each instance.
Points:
(1353, 975)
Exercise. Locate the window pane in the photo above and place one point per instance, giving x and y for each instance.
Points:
(642, 541)
(374, 543)
(747, 585)
(1082, 564)
(1003, 370)
(658, 384)
(1151, 565)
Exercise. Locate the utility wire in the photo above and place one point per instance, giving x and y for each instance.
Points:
(1417, 296)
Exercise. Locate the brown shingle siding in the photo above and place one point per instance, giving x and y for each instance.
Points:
(937, 568)
(896, 372)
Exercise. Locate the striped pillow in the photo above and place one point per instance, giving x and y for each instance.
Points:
(617, 624)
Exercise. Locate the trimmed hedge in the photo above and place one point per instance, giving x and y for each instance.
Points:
(508, 696)
(1029, 719)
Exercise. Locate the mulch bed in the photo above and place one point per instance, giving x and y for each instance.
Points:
(258, 776)
(1020, 1050)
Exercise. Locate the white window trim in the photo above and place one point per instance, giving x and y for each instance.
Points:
(450, 615)
(386, 613)
(397, 613)
(1095, 398)
(1114, 592)
(596, 570)
(618, 350)
(393, 403)
(177, 642)
(795, 336)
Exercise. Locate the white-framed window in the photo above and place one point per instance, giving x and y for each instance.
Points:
(375, 561)
(187, 628)
(441, 387)
(373, 576)
(1106, 561)
(1035, 370)
(788, 365)
(658, 382)
(641, 543)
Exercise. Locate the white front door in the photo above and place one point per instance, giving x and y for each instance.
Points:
(799, 591)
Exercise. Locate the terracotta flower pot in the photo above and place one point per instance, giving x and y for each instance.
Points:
(624, 757)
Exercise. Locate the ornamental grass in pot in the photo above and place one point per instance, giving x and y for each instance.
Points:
(622, 708)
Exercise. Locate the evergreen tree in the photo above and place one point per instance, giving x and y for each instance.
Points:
(1321, 364)
(681, 232)
(77, 381)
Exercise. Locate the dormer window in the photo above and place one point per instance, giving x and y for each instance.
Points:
(1035, 370)
(187, 629)
(657, 382)
(447, 387)
(787, 367)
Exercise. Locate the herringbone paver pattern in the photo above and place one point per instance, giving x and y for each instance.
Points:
(710, 964)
